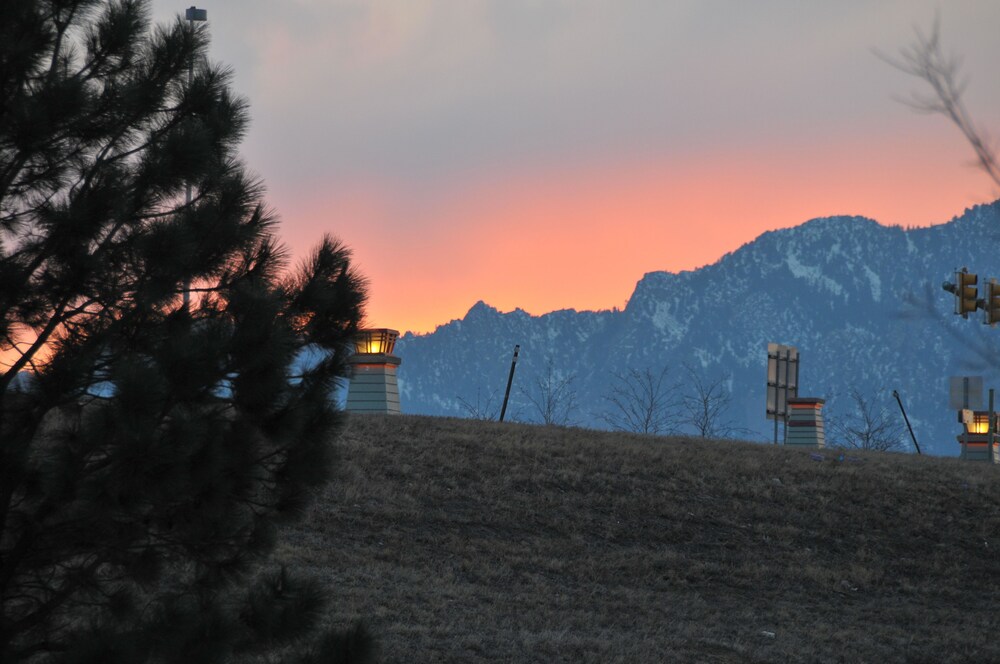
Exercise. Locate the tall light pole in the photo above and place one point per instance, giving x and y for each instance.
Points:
(191, 15)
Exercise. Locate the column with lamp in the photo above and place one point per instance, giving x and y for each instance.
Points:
(978, 438)
(373, 387)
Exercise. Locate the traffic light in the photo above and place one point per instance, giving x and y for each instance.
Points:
(992, 303)
(965, 292)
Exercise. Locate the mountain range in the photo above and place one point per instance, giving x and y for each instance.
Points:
(861, 301)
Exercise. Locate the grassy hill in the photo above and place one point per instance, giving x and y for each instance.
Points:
(464, 541)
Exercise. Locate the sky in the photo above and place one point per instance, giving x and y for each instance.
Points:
(546, 154)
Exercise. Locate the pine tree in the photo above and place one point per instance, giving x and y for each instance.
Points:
(149, 448)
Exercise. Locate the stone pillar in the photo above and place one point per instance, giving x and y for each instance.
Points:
(978, 439)
(976, 447)
(805, 422)
(373, 387)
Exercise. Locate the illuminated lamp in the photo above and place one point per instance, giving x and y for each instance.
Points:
(375, 342)
(980, 422)
(373, 387)
(978, 443)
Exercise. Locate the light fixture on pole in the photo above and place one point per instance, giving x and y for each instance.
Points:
(191, 15)
(373, 387)
(979, 438)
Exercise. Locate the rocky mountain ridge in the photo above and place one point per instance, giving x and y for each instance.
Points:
(861, 301)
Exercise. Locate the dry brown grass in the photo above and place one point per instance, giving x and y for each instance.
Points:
(462, 541)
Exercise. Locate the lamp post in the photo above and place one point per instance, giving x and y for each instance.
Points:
(373, 387)
(192, 14)
(978, 437)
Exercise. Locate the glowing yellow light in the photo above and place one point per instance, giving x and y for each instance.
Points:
(375, 342)
(980, 423)
(979, 427)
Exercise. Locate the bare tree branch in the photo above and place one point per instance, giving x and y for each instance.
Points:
(642, 402)
(706, 407)
(925, 60)
(485, 409)
(870, 426)
(553, 396)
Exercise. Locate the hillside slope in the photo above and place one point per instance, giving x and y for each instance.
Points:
(463, 541)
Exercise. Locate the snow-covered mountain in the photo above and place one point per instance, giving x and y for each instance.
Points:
(837, 288)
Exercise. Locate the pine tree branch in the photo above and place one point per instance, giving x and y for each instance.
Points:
(38, 344)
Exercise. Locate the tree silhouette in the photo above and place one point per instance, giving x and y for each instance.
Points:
(870, 426)
(552, 396)
(642, 402)
(148, 449)
(706, 407)
(484, 408)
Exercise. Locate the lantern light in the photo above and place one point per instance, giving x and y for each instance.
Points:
(373, 387)
(980, 423)
(978, 439)
(375, 342)
(977, 422)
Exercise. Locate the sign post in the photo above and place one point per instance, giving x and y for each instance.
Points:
(895, 394)
(782, 382)
(510, 379)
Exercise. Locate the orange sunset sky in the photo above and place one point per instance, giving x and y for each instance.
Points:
(546, 154)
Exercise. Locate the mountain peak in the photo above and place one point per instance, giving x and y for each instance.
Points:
(480, 308)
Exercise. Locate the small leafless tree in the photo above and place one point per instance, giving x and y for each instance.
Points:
(869, 426)
(553, 395)
(484, 408)
(642, 401)
(706, 407)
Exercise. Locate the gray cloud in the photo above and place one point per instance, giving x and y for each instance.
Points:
(427, 90)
